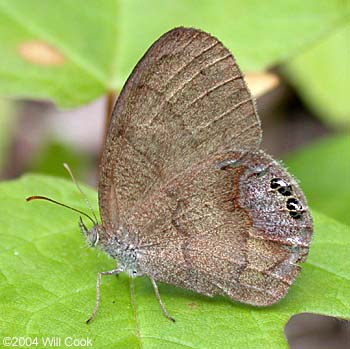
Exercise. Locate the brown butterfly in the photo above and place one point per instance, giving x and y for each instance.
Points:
(186, 197)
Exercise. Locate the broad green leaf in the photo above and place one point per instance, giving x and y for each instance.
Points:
(78, 40)
(74, 51)
(324, 173)
(321, 74)
(48, 279)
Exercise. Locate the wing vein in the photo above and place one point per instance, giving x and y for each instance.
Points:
(215, 87)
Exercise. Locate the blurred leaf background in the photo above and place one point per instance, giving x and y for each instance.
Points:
(62, 63)
(59, 60)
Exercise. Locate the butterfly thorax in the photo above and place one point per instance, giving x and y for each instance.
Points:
(125, 253)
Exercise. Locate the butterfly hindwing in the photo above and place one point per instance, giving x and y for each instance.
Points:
(221, 230)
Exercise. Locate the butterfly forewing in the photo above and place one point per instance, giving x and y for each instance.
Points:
(185, 99)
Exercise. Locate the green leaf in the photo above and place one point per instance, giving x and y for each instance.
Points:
(53, 153)
(68, 29)
(324, 172)
(321, 75)
(48, 280)
(74, 51)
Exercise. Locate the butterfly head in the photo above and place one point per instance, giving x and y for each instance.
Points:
(92, 236)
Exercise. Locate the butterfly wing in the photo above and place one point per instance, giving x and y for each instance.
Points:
(185, 99)
(221, 230)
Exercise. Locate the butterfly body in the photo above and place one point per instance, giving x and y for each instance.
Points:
(186, 197)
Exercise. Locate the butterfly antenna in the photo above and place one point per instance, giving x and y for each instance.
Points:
(39, 197)
(81, 192)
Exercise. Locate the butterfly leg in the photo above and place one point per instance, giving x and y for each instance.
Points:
(98, 284)
(162, 306)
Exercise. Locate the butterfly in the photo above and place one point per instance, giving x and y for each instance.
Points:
(186, 196)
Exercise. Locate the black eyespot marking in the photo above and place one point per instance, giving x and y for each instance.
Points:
(295, 214)
(295, 208)
(294, 204)
(285, 191)
(277, 183)
(281, 186)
